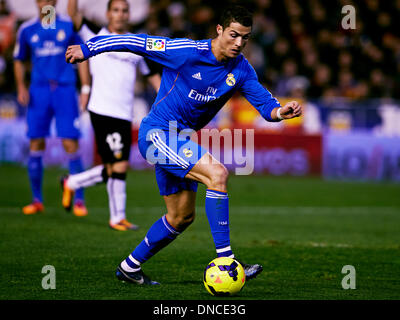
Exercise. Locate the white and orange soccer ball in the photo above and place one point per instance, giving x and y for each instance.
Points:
(224, 277)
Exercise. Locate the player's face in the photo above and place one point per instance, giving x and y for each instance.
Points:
(43, 3)
(118, 16)
(233, 39)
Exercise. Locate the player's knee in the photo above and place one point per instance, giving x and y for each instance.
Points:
(181, 221)
(37, 144)
(120, 166)
(219, 178)
(70, 145)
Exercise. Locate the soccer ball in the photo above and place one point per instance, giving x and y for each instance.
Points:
(224, 277)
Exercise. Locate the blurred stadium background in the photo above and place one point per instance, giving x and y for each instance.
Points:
(304, 232)
(347, 80)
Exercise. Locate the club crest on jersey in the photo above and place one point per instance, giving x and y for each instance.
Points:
(187, 152)
(35, 38)
(230, 80)
(153, 44)
(61, 35)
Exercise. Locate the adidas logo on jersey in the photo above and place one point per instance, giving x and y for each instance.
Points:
(197, 76)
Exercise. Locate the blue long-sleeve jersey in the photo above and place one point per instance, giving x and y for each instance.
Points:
(45, 48)
(194, 85)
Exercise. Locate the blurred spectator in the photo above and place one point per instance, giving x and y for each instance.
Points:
(7, 38)
(309, 60)
(153, 26)
(275, 56)
(201, 17)
(255, 55)
(279, 52)
(7, 27)
(378, 86)
(3, 79)
(320, 81)
(289, 71)
(323, 41)
(265, 30)
(311, 116)
(347, 86)
(318, 15)
(177, 20)
(297, 87)
(345, 60)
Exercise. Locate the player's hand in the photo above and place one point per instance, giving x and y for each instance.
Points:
(74, 54)
(23, 96)
(291, 110)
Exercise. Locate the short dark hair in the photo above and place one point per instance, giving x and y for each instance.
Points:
(109, 3)
(236, 13)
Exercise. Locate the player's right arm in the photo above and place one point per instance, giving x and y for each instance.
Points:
(169, 53)
(21, 55)
(86, 29)
(75, 15)
(83, 69)
(155, 81)
(22, 91)
(152, 71)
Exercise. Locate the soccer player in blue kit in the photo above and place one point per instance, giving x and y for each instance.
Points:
(198, 79)
(52, 93)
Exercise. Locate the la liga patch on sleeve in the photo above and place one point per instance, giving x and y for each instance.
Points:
(154, 44)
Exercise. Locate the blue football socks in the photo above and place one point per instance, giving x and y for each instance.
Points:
(217, 210)
(75, 166)
(35, 172)
(162, 233)
(159, 235)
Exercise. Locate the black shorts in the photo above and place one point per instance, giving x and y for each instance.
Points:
(113, 137)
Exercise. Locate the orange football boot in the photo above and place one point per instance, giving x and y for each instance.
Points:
(80, 209)
(67, 194)
(33, 208)
(123, 225)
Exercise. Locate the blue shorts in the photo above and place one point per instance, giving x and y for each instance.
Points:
(173, 155)
(46, 102)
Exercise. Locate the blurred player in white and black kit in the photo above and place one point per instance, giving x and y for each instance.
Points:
(110, 106)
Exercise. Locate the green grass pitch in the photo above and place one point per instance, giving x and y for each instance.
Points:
(302, 230)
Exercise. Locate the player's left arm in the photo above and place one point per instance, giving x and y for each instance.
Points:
(268, 106)
(170, 53)
(83, 72)
(155, 81)
(21, 56)
(152, 72)
(85, 80)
